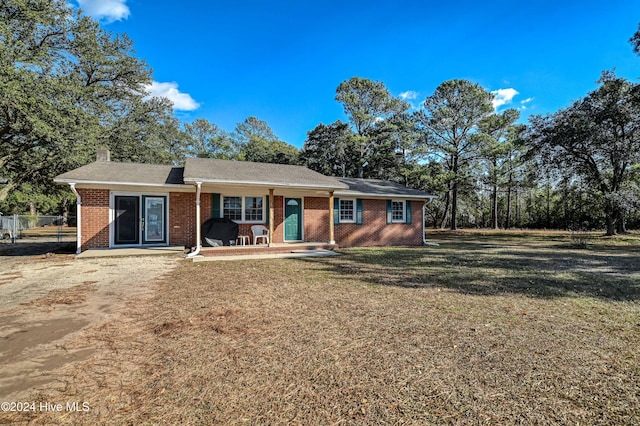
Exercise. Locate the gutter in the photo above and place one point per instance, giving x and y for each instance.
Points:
(198, 230)
(78, 218)
(424, 236)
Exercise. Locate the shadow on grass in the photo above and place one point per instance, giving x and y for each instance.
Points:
(36, 248)
(490, 268)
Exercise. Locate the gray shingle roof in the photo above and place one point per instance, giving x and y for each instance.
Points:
(380, 188)
(263, 174)
(234, 173)
(124, 173)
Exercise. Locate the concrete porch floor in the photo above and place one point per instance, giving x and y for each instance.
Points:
(221, 253)
(131, 251)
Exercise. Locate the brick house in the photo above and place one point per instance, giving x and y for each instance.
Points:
(129, 205)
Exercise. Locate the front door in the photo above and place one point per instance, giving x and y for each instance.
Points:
(140, 219)
(127, 220)
(292, 219)
(153, 215)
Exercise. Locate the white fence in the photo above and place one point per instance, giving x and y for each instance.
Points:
(50, 228)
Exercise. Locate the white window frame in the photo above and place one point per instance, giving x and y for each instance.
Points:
(243, 202)
(354, 208)
(404, 211)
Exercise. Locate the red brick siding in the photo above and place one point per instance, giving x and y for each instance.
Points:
(95, 218)
(316, 219)
(182, 218)
(373, 232)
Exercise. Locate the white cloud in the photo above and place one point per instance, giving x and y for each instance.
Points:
(109, 10)
(503, 97)
(181, 101)
(409, 94)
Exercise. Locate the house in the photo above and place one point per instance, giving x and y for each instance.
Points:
(128, 204)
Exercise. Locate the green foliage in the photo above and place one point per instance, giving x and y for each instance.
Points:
(66, 87)
(328, 150)
(257, 142)
(206, 140)
(450, 124)
(598, 139)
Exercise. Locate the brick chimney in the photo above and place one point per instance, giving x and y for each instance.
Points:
(103, 155)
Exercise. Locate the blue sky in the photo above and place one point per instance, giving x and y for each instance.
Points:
(281, 61)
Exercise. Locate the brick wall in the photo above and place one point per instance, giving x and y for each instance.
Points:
(182, 218)
(373, 232)
(316, 219)
(95, 218)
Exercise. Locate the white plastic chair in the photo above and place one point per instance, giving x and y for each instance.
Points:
(260, 231)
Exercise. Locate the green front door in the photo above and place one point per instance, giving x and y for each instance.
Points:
(292, 219)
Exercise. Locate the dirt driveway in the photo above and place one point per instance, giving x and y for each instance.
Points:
(46, 301)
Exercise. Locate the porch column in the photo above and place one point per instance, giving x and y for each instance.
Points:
(271, 215)
(332, 239)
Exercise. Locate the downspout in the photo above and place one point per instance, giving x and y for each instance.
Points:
(424, 228)
(78, 218)
(198, 236)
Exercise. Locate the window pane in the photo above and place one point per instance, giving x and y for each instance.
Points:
(397, 211)
(346, 211)
(232, 208)
(253, 209)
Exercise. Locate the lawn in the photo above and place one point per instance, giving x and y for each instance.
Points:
(492, 328)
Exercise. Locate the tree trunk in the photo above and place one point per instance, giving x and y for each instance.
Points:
(548, 205)
(6, 189)
(454, 206)
(494, 207)
(507, 223)
(65, 210)
(445, 215)
(611, 225)
(621, 224)
(32, 209)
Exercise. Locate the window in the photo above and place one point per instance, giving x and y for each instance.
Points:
(253, 209)
(244, 209)
(232, 208)
(397, 211)
(347, 211)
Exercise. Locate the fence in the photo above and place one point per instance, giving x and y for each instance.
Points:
(37, 228)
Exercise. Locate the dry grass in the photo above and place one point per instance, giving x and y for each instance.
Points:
(481, 330)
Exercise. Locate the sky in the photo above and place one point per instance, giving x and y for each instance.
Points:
(282, 61)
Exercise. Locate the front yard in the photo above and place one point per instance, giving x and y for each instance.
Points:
(485, 329)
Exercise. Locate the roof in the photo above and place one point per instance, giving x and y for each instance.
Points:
(112, 172)
(262, 174)
(226, 172)
(380, 188)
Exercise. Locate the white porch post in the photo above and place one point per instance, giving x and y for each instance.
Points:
(198, 231)
(78, 218)
(271, 215)
(332, 239)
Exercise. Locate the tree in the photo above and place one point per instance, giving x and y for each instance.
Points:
(450, 122)
(598, 138)
(496, 149)
(367, 103)
(207, 140)
(258, 143)
(635, 41)
(327, 150)
(67, 86)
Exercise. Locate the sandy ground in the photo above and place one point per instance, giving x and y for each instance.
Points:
(46, 303)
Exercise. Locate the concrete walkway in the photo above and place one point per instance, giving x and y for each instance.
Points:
(292, 254)
(130, 251)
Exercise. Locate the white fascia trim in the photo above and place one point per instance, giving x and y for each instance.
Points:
(394, 196)
(99, 182)
(262, 183)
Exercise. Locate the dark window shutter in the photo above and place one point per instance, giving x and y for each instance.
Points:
(389, 214)
(358, 211)
(336, 211)
(215, 206)
(407, 212)
(268, 210)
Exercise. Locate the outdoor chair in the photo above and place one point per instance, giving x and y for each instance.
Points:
(260, 231)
